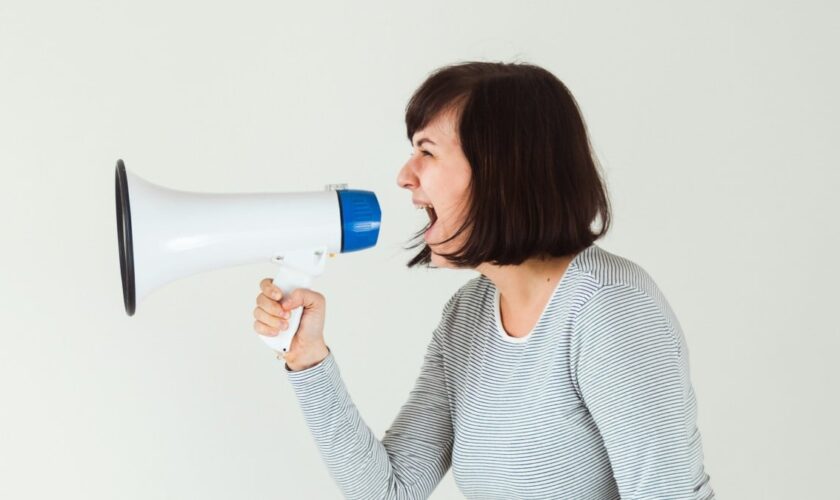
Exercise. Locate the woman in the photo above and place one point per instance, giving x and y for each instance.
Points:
(559, 372)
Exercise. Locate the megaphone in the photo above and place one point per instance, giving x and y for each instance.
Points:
(166, 234)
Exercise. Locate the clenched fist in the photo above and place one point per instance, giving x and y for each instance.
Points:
(272, 312)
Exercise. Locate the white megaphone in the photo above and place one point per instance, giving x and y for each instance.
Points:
(166, 234)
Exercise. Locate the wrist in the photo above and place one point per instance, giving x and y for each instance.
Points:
(306, 357)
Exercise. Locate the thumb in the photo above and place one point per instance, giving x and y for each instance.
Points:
(298, 297)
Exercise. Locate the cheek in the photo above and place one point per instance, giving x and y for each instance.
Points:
(455, 212)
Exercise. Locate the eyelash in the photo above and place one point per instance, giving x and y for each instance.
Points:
(425, 153)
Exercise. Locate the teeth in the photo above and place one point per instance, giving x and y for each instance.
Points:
(422, 207)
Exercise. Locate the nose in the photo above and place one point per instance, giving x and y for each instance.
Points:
(406, 178)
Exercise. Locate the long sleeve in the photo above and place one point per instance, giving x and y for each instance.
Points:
(415, 452)
(632, 375)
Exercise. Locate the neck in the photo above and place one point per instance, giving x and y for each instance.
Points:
(526, 286)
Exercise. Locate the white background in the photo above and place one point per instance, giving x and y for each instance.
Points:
(715, 123)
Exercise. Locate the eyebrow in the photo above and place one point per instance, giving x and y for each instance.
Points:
(425, 139)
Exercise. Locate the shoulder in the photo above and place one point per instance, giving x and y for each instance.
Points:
(466, 310)
(469, 298)
(618, 296)
(600, 268)
(606, 279)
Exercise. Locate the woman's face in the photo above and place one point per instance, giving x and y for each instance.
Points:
(438, 174)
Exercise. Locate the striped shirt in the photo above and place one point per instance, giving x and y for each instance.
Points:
(594, 403)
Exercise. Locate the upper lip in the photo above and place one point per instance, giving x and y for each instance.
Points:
(420, 202)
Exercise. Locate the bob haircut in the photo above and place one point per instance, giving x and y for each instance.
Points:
(535, 190)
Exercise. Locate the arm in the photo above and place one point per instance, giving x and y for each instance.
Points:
(415, 452)
(632, 375)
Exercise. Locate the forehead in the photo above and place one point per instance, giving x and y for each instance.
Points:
(442, 129)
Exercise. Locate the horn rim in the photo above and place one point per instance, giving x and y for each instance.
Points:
(124, 237)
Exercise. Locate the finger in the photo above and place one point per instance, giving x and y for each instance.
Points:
(268, 287)
(272, 321)
(264, 329)
(269, 331)
(271, 306)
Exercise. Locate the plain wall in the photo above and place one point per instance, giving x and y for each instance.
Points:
(715, 124)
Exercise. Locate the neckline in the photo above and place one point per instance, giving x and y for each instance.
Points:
(497, 304)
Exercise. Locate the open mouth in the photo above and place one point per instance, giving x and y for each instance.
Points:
(432, 215)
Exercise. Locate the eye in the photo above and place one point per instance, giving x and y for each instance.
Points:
(423, 151)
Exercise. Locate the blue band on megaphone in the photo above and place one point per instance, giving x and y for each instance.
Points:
(360, 219)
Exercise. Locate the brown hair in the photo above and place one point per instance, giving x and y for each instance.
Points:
(535, 190)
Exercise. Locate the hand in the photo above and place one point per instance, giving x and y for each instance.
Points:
(272, 313)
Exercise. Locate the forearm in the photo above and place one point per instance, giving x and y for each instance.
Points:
(356, 459)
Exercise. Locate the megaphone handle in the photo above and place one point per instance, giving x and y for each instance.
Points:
(287, 280)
